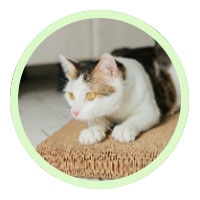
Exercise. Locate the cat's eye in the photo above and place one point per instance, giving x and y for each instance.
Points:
(71, 96)
(91, 96)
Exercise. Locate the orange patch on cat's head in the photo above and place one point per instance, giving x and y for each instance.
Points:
(72, 75)
(105, 71)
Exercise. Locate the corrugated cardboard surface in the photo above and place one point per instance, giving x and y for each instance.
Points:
(108, 159)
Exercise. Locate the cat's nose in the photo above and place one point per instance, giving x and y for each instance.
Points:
(75, 113)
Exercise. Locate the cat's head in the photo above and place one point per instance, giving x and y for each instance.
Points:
(94, 88)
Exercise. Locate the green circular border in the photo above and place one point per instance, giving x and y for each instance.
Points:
(89, 15)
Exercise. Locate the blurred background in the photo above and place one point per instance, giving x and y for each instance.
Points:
(42, 107)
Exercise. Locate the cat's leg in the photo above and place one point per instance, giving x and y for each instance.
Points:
(135, 124)
(95, 132)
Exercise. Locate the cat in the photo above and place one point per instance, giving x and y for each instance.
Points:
(132, 89)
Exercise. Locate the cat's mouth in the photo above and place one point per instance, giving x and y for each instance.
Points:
(87, 117)
(81, 116)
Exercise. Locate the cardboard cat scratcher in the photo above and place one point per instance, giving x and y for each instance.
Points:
(108, 159)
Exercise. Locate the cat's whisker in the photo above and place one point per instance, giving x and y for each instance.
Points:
(59, 108)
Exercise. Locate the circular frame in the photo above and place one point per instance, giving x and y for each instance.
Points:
(91, 15)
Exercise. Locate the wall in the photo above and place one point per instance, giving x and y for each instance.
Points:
(89, 39)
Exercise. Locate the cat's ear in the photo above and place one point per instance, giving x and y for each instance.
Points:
(68, 67)
(108, 65)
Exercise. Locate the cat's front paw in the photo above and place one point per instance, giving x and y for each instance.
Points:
(91, 135)
(124, 133)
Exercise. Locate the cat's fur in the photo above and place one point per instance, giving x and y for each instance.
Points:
(134, 87)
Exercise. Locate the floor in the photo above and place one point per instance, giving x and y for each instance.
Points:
(43, 109)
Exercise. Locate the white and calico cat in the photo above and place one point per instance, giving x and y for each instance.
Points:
(132, 88)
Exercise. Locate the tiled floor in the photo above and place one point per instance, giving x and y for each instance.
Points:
(42, 108)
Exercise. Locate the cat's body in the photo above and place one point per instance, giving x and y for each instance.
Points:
(122, 89)
(161, 72)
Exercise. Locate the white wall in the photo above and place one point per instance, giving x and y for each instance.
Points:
(89, 39)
